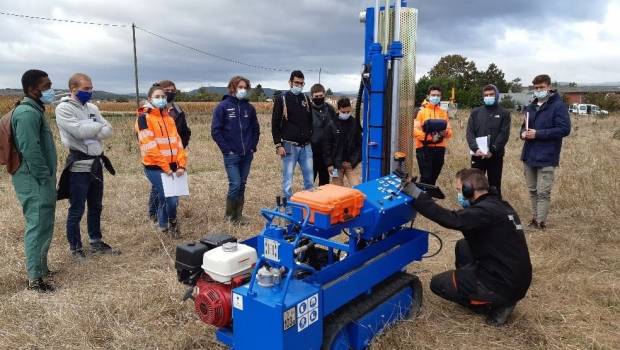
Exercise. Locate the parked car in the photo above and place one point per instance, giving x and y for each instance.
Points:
(586, 109)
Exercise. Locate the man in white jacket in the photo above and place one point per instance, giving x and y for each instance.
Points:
(82, 129)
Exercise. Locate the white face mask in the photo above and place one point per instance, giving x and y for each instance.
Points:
(541, 94)
(296, 90)
(344, 116)
(241, 94)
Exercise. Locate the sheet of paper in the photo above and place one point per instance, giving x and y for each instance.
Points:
(483, 144)
(527, 121)
(174, 185)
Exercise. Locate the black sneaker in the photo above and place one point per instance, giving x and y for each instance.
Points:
(103, 248)
(499, 316)
(40, 286)
(78, 254)
(542, 226)
(153, 218)
(533, 224)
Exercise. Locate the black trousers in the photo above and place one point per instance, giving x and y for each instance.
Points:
(319, 165)
(493, 168)
(430, 162)
(463, 287)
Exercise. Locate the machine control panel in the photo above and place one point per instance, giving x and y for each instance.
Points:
(384, 192)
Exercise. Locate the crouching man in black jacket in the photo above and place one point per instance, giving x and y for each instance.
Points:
(493, 269)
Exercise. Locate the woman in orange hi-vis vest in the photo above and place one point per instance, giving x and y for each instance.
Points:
(162, 153)
(431, 131)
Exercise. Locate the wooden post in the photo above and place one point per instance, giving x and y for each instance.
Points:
(135, 64)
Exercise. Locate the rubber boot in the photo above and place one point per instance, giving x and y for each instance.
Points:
(238, 212)
(230, 209)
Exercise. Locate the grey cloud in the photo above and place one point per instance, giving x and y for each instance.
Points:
(284, 34)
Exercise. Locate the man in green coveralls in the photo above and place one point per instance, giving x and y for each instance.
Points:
(35, 179)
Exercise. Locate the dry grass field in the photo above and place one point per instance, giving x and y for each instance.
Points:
(132, 301)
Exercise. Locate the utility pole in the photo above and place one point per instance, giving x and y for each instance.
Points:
(320, 69)
(135, 64)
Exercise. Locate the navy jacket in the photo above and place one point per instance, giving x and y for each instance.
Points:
(551, 122)
(235, 127)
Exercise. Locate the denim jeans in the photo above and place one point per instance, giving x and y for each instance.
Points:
(153, 202)
(167, 207)
(294, 155)
(237, 168)
(84, 188)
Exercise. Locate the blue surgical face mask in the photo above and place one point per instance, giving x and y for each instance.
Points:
(489, 100)
(47, 96)
(159, 102)
(462, 201)
(296, 90)
(344, 116)
(241, 94)
(434, 100)
(84, 96)
(541, 94)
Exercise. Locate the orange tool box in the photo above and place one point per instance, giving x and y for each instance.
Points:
(339, 203)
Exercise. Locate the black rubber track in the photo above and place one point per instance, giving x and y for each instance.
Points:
(354, 310)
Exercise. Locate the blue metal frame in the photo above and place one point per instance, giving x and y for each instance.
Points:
(259, 313)
(373, 123)
(290, 314)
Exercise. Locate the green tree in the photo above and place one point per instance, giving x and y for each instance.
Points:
(462, 72)
(329, 92)
(572, 84)
(494, 75)
(515, 85)
(456, 71)
(257, 94)
(609, 102)
(507, 102)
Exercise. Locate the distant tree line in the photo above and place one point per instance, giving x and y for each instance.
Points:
(456, 71)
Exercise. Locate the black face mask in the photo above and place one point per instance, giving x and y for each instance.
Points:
(170, 96)
(318, 101)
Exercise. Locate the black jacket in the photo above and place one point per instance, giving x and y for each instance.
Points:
(343, 143)
(181, 123)
(491, 121)
(322, 116)
(494, 233)
(296, 125)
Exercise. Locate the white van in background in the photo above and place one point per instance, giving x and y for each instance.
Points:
(586, 109)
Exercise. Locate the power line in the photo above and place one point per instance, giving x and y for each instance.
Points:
(172, 41)
(62, 20)
(231, 60)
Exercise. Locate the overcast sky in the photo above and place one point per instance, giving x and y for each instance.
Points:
(572, 40)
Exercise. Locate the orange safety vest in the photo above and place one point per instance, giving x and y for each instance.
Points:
(430, 111)
(160, 143)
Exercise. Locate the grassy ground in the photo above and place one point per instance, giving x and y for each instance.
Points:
(132, 301)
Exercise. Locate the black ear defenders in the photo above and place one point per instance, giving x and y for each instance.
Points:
(467, 190)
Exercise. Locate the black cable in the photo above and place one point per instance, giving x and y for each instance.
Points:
(438, 250)
(227, 59)
(63, 20)
(438, 238)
